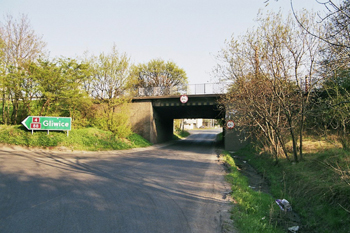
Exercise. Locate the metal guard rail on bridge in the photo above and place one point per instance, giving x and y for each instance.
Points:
(190, 89)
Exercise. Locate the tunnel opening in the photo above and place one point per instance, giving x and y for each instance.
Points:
(196, 123)
(210, 128)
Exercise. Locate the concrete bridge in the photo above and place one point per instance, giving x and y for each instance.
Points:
(153, 116)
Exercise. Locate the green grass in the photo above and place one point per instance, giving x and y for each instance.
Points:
(220, 137)
(179, 134)
(318, 187)
(252, 210)
(90, 139)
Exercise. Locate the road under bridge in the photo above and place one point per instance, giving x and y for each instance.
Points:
(153, 117)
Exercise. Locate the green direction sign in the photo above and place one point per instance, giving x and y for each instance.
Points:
(47, 123)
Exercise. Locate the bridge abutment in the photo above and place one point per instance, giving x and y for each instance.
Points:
(142, 120)
(150, 123)
(234, 139)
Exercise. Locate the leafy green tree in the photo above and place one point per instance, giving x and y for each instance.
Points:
(2, 75)
(17, 84)
(108, 87)
(110, 73)
(21, 46)
(158, 77)
(112, 116)
(59, 88)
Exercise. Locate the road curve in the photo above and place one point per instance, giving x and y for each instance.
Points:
(174, 188)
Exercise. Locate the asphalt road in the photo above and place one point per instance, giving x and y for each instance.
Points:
(174, 188)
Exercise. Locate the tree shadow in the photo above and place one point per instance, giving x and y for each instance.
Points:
(136, 192)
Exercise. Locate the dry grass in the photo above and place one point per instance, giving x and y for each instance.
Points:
(318, 187)
(315, 145)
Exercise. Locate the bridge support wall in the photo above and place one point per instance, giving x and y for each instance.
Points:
(142, 120)
(234, 139)
(149, 123)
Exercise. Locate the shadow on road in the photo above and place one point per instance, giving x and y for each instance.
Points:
(156, 190)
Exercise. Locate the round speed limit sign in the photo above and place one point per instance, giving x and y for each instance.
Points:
(184, 99)
(230, 124)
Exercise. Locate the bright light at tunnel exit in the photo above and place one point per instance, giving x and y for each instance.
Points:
(192, 124)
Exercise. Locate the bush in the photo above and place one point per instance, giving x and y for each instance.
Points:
(112, 117)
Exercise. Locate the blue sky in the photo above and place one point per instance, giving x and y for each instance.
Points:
(187, 32)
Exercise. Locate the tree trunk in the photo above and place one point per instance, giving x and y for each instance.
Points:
(47, 102)
(294, 141)
(15, 111)
(301, 129)
(4, 120)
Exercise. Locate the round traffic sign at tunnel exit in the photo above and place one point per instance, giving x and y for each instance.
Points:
(184, 99)
(230, 124)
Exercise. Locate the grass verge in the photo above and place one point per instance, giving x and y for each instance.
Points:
(180, 134)
(89, 139)
(252, 210)
(318, 189)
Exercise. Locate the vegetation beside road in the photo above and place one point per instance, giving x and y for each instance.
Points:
(179, 134)
(89, 139)
(291, 79)
(251, 210)
(318, 189)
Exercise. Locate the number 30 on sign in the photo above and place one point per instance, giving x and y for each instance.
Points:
(230, 124)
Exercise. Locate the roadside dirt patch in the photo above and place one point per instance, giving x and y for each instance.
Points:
(226, 223)
(258, 182)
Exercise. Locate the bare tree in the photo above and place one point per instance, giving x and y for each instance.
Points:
(335, 18)
(335, 101)
(268, 66)
(21, 44)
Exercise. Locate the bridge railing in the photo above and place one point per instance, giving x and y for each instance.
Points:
(190, 89)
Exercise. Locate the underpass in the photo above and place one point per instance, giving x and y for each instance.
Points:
(153, 110)
(153, 116)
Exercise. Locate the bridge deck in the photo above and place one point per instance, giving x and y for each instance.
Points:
(197, 106)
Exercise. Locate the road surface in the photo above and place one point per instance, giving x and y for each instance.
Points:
(175, 188)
